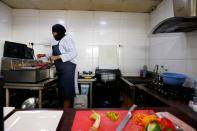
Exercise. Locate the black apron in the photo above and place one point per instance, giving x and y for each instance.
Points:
(66, 75)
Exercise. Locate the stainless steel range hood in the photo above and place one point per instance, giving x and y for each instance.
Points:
(184, 20)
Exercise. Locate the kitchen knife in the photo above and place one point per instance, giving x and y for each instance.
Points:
(125, 119)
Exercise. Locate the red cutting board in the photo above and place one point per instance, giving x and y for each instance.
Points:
(82, 121)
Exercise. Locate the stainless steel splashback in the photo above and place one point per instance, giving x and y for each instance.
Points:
(184, 20)
(185, 8)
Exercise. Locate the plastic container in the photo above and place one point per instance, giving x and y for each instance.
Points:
(84, 89)
(173, 79)
(81, 101)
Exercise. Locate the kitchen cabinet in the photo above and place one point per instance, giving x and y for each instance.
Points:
(106, 95)
(143, 99)
(133, 95)
(127, 93)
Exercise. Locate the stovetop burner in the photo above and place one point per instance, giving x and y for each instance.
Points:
(171, 92)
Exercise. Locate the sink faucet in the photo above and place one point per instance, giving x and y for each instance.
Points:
(156, 74)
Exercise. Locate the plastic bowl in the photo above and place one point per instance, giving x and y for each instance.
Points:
(173, 79)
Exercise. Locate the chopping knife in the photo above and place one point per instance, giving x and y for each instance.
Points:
(125, 119)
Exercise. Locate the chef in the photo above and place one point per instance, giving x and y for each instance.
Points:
(63, 55)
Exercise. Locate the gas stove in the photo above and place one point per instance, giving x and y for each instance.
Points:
(171, 92)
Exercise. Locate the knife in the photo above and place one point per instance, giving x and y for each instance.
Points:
(126, 118)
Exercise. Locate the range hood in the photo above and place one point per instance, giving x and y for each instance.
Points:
(184, 20)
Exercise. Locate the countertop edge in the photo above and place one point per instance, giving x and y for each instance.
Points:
(129, 83)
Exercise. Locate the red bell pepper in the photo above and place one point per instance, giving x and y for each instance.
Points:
(166, 124)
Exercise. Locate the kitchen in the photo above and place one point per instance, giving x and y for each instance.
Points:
(123, 47)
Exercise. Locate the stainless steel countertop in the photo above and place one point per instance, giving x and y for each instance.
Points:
(87, 80)
(39, 85)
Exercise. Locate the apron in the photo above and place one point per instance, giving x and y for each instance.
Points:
(66, 75)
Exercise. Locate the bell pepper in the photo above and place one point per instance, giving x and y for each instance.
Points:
(165, 124)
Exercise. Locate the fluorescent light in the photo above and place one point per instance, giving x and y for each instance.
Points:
(89, 51)
(61, 22)
(43, 130)
(103, 22)
(101, 33)
(95, 51)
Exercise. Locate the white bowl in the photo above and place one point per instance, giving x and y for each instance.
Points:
(195, 108)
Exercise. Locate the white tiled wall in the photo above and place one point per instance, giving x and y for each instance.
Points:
(5, 25)
(5, 21)
(89, 30)
(169, 50)
(176, 51)
(191, 57)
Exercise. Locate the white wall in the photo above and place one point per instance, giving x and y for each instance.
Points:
(191, 57)
(5, 21)
(5, 25)
(89, 30)
(176, 51)
(169, 50)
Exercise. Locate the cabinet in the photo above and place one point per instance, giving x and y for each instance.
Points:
(131, 94)
(143, 99)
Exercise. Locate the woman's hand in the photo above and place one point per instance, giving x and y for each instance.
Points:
(54, 58)
(40, 55)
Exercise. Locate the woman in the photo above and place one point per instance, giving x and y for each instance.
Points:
(63, 55)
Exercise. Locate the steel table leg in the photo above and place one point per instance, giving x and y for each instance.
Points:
(7, 97)
(40, 99)
(90, 94)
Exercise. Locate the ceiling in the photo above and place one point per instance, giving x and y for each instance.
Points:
(141, 6)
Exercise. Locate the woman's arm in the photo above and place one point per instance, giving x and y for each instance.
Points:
(69, 52)
(41, 55)
(54, 58)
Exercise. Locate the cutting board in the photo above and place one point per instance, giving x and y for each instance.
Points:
(82, 121)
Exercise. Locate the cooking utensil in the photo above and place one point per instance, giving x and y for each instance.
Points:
(173, 79)
(126, 118)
